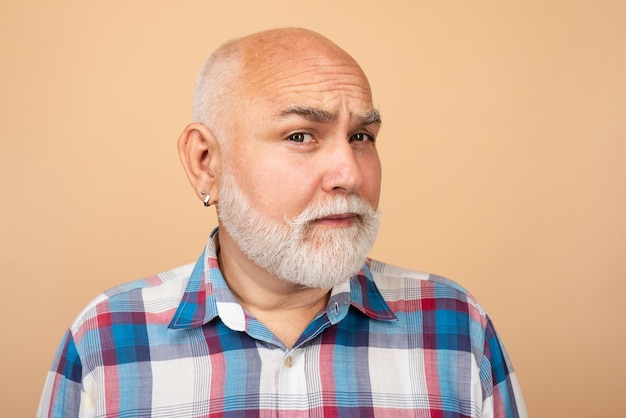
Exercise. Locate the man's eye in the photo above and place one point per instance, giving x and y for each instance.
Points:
(361, 137)
(299, 137)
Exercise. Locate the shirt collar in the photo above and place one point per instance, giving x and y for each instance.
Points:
(207, 296)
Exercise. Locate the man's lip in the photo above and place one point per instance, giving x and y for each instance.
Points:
(338, 216)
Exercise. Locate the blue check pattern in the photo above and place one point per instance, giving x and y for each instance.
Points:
(391, 342)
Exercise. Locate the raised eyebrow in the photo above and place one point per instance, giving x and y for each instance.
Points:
(371, 118)
(309, 113)
(318, 115)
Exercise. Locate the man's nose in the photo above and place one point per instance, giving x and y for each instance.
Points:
(343, 171)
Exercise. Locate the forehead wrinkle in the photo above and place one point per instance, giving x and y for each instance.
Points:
(307, 78)
(273, 72)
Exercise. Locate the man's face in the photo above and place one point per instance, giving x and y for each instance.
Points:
(304, 136)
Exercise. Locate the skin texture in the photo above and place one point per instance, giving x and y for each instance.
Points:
(300, 129)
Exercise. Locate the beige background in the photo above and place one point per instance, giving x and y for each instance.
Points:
(503, 147)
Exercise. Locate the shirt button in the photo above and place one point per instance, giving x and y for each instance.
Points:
(288, 361)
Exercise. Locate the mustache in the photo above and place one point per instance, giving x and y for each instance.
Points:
(336, 205)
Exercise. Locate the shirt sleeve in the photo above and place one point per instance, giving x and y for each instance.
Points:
(502, 395)
(62, 393)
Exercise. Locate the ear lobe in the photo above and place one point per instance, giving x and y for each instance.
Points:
(199, 153)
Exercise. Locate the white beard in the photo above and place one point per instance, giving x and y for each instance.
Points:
(296, 251)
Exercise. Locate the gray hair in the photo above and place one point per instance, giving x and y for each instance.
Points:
(213, 92)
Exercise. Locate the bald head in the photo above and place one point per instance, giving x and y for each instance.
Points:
(275, 49)
(249, 67)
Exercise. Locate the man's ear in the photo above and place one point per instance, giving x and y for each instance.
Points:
(199, 152)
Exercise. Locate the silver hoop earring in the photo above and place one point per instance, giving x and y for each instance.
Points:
(206, 200)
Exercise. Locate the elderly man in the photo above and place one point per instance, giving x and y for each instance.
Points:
(283, 314)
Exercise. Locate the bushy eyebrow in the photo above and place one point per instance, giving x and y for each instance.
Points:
(309, 113)
(323, 116)
(371, 118)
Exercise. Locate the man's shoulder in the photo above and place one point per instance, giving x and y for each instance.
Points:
(399, 283)
(150, 295)
(178, 274)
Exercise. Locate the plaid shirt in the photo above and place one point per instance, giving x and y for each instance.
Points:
(391, 342)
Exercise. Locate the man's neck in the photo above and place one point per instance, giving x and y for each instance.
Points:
(284, 308)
